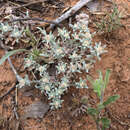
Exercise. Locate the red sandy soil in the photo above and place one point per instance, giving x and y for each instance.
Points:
(117, 59)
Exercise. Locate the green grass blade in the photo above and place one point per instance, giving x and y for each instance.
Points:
(106, 80)
(110, 100)
(8, 54)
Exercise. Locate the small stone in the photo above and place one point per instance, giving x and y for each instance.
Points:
(84, 100)
(93, 6)
(36, 110)
(82, 18)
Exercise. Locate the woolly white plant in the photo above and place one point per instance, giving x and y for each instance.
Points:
(73, 53)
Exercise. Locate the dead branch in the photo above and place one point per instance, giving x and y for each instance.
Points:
(117, 119)
(70, 12)
(34, 19)
(28, 4)
(15, 72)
(8, 92)
(9, 60)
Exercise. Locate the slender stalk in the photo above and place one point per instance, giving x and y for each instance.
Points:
(98, 126)
(97, 123)
(12, 67)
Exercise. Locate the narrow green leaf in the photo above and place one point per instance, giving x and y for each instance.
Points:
(100, 107)
(33, 39)
(100, 76)
(92, 111)
(8, 54)
(105, 123)
(97, 86)
(106, 80)
(111, 99)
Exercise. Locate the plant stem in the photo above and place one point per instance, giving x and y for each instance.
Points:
(98, 126)
(97, 122)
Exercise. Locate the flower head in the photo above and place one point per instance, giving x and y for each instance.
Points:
(73, 67)
(56, 103)
(87, 66)
(58, 51)
(87, 35)
(45, 79)
(49, 38)
(28, 62)
(86, 43)
(51, 94)
(81, 84)
(59, 92)
(23, 81)
(64, 83)
(16, 33)
(5, 27)
(76, 36)
(75, 26)
(74, 56)
(64, 33)
(61, 67)
(47, 87)
(99, 49)
(42, 69)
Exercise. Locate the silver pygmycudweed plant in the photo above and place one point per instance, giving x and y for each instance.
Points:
(72, 53)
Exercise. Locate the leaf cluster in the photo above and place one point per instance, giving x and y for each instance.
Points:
(99, 86)
(110, 22)
(70, 53)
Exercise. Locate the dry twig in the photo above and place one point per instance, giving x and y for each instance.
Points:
(35, 19)
(117, 119)
(70, 12)
(28, 4)
(8, 92)
(15, 72)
